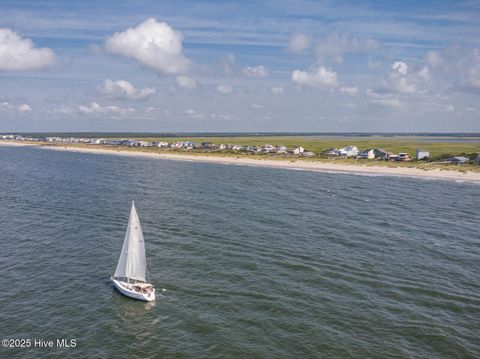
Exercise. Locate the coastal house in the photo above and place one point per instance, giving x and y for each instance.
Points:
(268, 148)
(477, 160)
(348, 151)
(403, 157)
(457, 160)
(308, 154)
(163, 144)
(281, 149)
(422, 155)
(381, 154)
(366, 155)
(331, 152)
(298, 150)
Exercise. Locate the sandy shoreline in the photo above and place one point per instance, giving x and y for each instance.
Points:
(296, 165)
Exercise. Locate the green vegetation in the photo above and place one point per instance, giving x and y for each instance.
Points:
(318, 145)
(438, 149)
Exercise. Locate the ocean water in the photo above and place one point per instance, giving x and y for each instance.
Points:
(255, 262)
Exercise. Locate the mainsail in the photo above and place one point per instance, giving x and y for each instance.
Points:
(132, 263)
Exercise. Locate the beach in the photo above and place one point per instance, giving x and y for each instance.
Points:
(293, 164)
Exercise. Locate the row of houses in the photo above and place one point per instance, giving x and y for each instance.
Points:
(345, 152)
(183, 145)
(374, 153)
(381, 154)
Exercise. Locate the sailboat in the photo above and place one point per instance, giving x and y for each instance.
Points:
(131, 275)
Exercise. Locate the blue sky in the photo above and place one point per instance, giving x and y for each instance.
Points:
(240, 66)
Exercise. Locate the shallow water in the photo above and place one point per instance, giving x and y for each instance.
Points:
(256, 262)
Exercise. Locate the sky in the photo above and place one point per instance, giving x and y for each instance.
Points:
(239, 66)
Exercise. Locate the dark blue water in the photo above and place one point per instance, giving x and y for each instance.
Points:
(256, 262)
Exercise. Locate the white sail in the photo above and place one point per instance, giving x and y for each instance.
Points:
(132, 263)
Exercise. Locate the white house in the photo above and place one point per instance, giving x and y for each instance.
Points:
(298, 150)
(367, 155)
(348, 151)
(422, 155)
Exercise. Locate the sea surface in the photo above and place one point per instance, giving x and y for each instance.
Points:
(254, 262)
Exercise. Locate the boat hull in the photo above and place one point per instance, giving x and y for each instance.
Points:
(127, 290)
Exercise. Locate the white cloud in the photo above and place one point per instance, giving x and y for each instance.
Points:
(122, 89)
(400, 67)
(186, 82)
(322, 77)
(256, 71)
(336, 46)
(190, 112)
(225, 89)
(349, 90)
(228, 63)
(434, 59)
(403, 80)
(256, 106)
(277, 90)
(473, 73)
(424, 73)
(95, 108)
(384, 99)
(18, 54)
(299, 43)
(15, 108)
(388, 102)
(153, 44)
(24, 108)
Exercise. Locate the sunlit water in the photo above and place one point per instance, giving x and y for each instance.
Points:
(256, 262)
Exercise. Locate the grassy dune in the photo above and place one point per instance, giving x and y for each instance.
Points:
(320, 144)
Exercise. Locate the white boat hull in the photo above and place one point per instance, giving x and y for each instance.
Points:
(128, 290)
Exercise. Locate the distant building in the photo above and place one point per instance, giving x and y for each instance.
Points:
(366, 155)
(268, 148)
(403, 157)
(477, 160)
(163, 144)
(298, 150)
(331, 152)
(458, 160)
(422, 155)
(381, 154)
(348, 151)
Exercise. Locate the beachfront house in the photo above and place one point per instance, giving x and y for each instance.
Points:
(331, 152)
(477, 160)
(457, 160)
(349, 151)
(298, 150)
(281, 149)
(422, 155)
(381, 154)
(163, 144)
(238, 148)
(268, 148)
(403, 157)
(366, 155)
